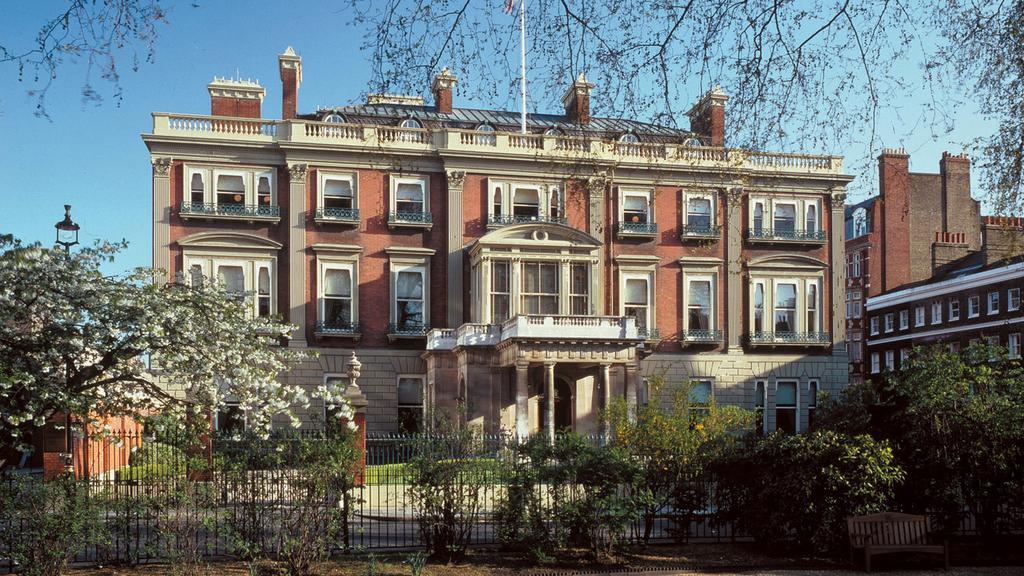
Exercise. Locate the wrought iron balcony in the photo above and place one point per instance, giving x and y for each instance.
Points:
(506, 219)
(420, 219)
(701, 336)
(206, 209)
(775, 235)
(707, 232)
(408, 330)
(337, 214)
(790, 338)
(637, 228)
(648, 333)
(338, 329)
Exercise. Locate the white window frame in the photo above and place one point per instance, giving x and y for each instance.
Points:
(1013, 299)
(855, 263)
(854, 306)
(993, 302)
(936, 312)
(646, 276)
(875, 364)
(712, 279)
(796, 403)
(890, 360)
(423, 396)
(770, 284)
(954, 309)
(904, 319)
(353, 269)
(919, 316)
(904, 357)
(800, 211)
(890, 322)
(711, 197)
(250, 274)
(423, 270)
(874, 324)
(205, 173)
(546, 192)
(250, 179)
(423, 181)
(646, 193)
(1013, 346)
(351, 177)
(973, 306)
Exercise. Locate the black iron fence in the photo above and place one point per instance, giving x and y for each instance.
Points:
(228, 497)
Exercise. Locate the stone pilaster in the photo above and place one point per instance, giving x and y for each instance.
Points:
(522, 400)
(735, 228)
(838, 294)
(596, 190)
(549, 400)
(162, 213)
(297, 252)
(606, 397)
(456, 179)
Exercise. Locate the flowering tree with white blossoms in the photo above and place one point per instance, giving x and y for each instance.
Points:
(73, 340)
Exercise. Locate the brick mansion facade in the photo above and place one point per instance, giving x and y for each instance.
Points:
(520, 282)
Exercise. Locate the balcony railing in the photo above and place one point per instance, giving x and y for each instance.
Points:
(637, 228)
(648, 334)
(371, 138)
(506, 219)
(774, 234)
(236, 210)
(337, 214)
(408, 330)
(338, 329)
(790, 338)
(701, 336)
(410, 218)
(710, 231)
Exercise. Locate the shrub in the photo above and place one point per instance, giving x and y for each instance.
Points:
(797, 491)
(146, 473)
(47, 523)
(157, 453)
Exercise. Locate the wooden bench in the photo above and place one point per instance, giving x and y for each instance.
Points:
(890, 532)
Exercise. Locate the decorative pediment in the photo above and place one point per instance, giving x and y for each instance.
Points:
(229, 240)
(787, 262)
(540, 234)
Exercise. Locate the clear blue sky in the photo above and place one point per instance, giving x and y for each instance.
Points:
(92, 157)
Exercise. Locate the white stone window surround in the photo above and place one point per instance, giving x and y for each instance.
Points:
(353, 271)
(709, 195)
(890, 322)
(1013, 299)
(973, 306)
(694, 273)
(795, 407)
(325, 176)
(768, 206)
(210, 262)
(641, 196)
(919, 319)
(419, 409)
(904, 319)
(409, 260)
(483, 274)
(770, 284)
(937, 312)
(638, 268)
(210, 175)
(875, 367)
(501, 195)
(422, 181)
(993, 302)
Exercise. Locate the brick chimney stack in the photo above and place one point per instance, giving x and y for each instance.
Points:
(290, 65)
(236, 97)
(707, 117)
(442, 88)
(894, 193)
(577, 100)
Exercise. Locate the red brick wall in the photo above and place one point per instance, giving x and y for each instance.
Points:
(289, 92)
(711, 124)
(374, 235)
(239, 107)
(894, 225)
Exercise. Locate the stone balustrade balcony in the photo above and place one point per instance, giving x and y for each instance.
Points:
(539, 327)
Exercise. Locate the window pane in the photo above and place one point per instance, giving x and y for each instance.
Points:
(232, 278)
(635, 203)
(338, 311)
(700, 392)
(499, 276)
(786, 394)
(338, 283)
(699, 305)
(264, 282)
(410, 285)
(230, 183)
(549, 278)
(699, 212)
(785, 217)
(410, 392)
(409, 192)
(526, 196)
(338, 188)
(636, 291)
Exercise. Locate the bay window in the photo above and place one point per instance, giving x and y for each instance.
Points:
(539, 288)
(232, 193)
(579, 289)
(501, 294)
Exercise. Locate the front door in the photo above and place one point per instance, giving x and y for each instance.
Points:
(563, 405)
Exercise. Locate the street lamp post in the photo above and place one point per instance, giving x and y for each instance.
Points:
(67, 236)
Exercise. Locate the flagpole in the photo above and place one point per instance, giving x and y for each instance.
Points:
(522, 57)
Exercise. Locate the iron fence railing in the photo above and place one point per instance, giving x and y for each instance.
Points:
(409, 218)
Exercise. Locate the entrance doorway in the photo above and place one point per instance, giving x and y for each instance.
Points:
(563, 405)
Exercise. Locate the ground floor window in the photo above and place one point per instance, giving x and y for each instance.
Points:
(700, 398)
(785, 406)
(812, 402)
(230, 419)
(760, 399)
(410, 404)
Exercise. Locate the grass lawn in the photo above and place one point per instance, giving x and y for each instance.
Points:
(386, 474)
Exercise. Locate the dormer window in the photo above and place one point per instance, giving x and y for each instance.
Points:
(334, 119)
(629, 138)
(410, 123)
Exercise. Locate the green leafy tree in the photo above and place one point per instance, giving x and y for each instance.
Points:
(75, 340)
(675, 440)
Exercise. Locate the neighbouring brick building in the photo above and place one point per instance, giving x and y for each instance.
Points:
(522, 279)
(917, 228)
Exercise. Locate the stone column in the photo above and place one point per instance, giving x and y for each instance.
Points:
(454, 226)
(632, 375)
(549, 400)
(357, 400)
(736, 228)
(162, 215)
(297, 253)
(522, 400)
(606, 398)
(837, 296)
